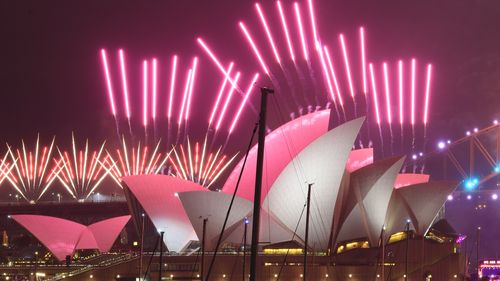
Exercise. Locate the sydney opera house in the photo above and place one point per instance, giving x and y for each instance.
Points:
(368, 220)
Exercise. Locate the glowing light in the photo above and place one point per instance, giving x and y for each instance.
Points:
(494, 196)
(313, 25)
(363, 58)
(124, 82)
(450, 197)
(476, 130)
(22, 169)
(285, 29)
(216, 61)
(467, 133)
(83, 183)
(471, 183)
(226, 103)
(401, 102)
(469, 197)
(154, 87)
(219, 96)
(332, 71)
(191, 85)
(495, 122)
(254, 47)
(268, 32)
(441, 145)
(145, 93)
(387, 93)
(427, 93)
(172, 87)
(245, 99)
(184, 98)
(325, 73)
(374, 89)
(301, 30)
(497, 168)
(347, 67)
(413, 73)
(108, 81)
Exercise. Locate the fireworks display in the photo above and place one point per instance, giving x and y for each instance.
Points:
(29, 170)
(80, 171)
(152, 106)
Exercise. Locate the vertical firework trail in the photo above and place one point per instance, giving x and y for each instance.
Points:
(427, 98)
(388, 103)
(154, 89)
(125, 88)
(401, 100)
(171, 97)
(105, 64)
(145, 98)
(190, 95)
(413, 74)
(348, 72)
(375, 103)
(183, 106)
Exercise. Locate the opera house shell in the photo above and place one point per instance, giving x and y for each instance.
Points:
(354, 198)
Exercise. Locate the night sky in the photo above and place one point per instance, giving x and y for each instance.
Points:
(52, 79)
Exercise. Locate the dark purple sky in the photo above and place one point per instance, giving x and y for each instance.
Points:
(52, 79)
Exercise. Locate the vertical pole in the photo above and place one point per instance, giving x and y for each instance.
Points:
(258, 183)
(142, 248)
(383, 253)
(304, 274)
(477, 248)
(407, 246)
(161, 255)
(203, 249)
(245, 246)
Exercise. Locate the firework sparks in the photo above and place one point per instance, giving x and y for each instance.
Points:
(363, 59)
(139, 160)
(219, 96)
(427, 94)
(124, 84)
(28, 170)
(285, 30)
(145, 93)
(243, 102)
(172, 88)
(80, 174)
(268, 32)
(108, 81)
(254, 47)
(301, 30)
(226, 103)
(197, 167)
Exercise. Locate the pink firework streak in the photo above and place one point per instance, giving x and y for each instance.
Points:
(427, 94)
(191, 86)
(347, 65)
(124, 83)
(332, 71)
(387, 93)
(268, 32)
(186, 93)
(219, 96)
(108, 81)
(242, 105)
(363, 59)
(375, 98)
(301, 30)
(313, 26)
(254, 47)
(401, 101)
(413, 74)
(172, 87)
(327, 76)
(155, 84)
(285, 29)
(145, 93)
(226, 103)
(217, 63)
